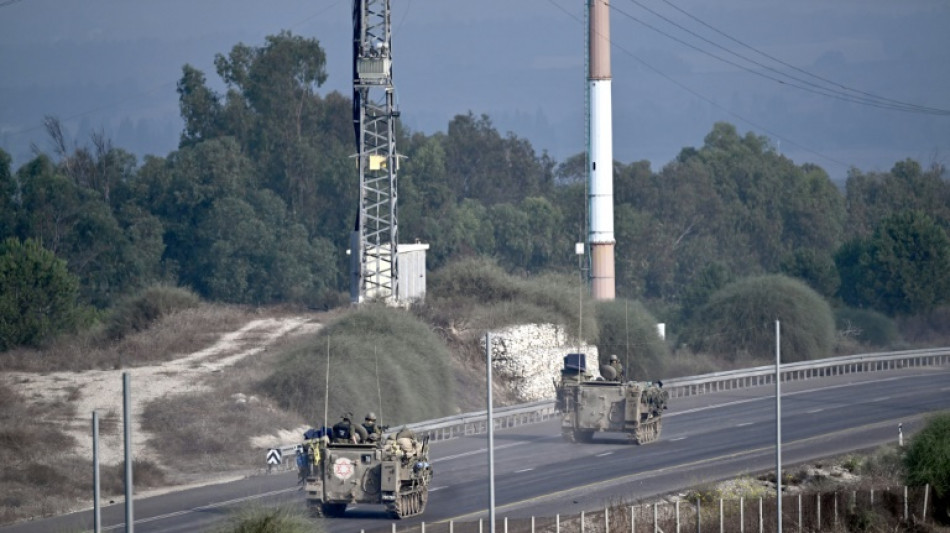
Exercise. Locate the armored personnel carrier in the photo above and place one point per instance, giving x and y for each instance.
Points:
(588, 405)
(395, 473)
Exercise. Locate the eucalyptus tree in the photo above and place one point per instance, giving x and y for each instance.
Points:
(901, 269)
(299, 142)
(484, 165)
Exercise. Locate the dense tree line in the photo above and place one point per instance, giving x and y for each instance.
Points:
(256, 204)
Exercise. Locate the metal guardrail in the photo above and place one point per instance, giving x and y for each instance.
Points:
(474, 423)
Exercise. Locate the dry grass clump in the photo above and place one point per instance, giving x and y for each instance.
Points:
(140, 311)
(381, 359)
(145, 474)
(180, 332)
(209, 432)
(38, 477)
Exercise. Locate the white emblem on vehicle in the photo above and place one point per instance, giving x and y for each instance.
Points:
(343, 468)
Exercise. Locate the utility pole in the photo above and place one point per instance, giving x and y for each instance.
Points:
(373, 254)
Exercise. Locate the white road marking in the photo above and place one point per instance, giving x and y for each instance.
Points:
(677, 438)
(605, 454)
(523, 470)
(433, 489)
(813, 411)
(881, 399)
(744, 424)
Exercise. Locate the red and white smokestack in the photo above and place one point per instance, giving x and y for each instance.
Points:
(601, 156)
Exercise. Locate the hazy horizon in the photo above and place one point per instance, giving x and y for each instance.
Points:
(113, 65)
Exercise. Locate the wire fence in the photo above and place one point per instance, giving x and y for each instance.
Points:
(887, 509)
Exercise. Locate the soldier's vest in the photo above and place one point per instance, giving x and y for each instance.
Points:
(342, 431)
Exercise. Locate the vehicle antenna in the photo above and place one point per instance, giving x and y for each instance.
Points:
(379, 392)
(326, 398)
(626, 327)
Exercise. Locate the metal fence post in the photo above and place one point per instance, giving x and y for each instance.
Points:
(699, 521)
(761, 523)
(677, 516)
(906, 514)
(926, 494)
(741, 514)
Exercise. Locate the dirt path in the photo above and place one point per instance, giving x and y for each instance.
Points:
(102, 390)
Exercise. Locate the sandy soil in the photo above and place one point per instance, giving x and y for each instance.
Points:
(102, 390)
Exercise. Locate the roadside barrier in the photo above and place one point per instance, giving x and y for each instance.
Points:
(474, 423)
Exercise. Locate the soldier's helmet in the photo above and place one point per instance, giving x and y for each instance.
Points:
(614, 358)
(371, 416)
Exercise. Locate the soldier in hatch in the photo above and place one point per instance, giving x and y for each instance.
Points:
(345, 431)
(374, 432)
(613, 370)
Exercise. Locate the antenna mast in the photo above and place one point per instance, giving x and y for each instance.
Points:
(373, 242)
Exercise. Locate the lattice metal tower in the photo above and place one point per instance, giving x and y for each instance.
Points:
(373, 244)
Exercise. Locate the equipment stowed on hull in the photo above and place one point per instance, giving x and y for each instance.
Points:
(396, 474)
(588, 406)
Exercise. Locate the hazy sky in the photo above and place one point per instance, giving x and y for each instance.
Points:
(113, 65)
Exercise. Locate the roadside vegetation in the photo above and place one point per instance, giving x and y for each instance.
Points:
(865, 490)
(380, 359)
(271, 520)
(107, 263)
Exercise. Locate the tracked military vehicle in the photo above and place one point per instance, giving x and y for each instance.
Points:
(395, 473)
(588, 405)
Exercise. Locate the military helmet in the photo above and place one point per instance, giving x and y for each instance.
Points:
(614, 358)
(371, 416)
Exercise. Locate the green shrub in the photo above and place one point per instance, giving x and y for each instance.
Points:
(38, 295)
(928, 462)
(380, 359)
(867, 326)
(628, 330)
(145, 308)
(479, 292)
(271, 520)
(739, 320)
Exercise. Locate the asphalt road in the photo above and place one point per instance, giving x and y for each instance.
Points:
(705, 438)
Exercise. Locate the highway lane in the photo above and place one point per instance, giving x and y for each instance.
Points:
(704, 439)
